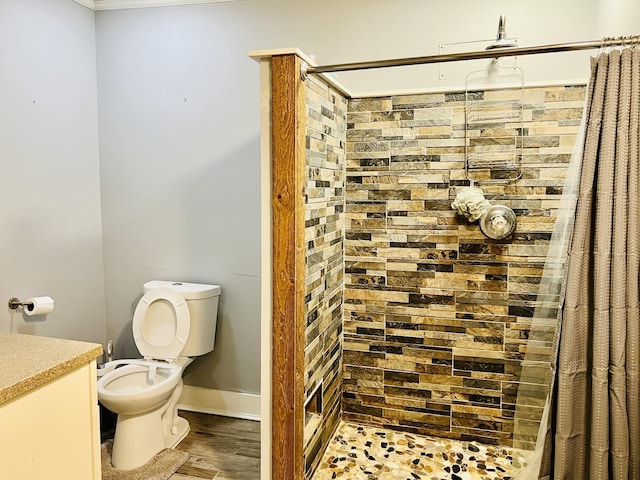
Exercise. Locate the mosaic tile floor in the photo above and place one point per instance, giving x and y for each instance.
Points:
(370, 453)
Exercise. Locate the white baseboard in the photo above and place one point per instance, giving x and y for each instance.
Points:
(220, 402)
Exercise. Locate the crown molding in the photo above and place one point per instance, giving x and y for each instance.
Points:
(87, 3)
(122, 4)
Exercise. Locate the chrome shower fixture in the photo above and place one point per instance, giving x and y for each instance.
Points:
(501, 39)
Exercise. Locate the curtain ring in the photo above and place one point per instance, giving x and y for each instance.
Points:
(601, 48)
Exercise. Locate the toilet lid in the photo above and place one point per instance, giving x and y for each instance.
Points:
(161, 324)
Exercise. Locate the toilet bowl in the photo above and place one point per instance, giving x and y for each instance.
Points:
(144, 392)
(136, 387)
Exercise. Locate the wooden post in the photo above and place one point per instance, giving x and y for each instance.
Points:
(288, 210)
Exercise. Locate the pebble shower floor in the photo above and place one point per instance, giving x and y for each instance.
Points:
(357, 452)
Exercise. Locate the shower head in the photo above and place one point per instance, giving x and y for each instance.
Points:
(501, 39)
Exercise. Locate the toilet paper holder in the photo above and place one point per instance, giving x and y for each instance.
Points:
(14, 303)
(35, 306)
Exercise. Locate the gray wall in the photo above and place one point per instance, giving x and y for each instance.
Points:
(50, 225)
(179, 127)
(180, 177)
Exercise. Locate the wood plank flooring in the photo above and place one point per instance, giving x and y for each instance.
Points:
(221, 448)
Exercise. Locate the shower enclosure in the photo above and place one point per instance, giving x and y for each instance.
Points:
(384, 307)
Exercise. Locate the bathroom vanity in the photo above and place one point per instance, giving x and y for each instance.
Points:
(49, 419)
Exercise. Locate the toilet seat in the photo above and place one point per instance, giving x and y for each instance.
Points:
(138, 384)
(163, 338)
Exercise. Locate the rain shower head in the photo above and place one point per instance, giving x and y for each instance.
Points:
(501, 39)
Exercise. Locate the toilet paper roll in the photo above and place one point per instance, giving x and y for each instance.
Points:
(39, 306)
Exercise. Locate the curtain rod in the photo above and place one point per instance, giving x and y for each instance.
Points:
(455, 57)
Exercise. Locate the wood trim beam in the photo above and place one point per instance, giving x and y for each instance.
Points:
(288, 210)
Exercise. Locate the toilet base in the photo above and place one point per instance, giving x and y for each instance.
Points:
(137, 439)
(179, 431)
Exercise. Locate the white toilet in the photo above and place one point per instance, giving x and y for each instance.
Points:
(173, 322)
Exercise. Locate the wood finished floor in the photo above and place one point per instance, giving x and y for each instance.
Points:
(221, 448)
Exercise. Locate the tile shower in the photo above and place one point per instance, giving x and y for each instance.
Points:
(416, 322)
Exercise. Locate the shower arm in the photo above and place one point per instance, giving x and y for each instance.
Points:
(477, 55)
(502, 29)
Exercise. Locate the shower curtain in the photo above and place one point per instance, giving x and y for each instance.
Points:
(594, 429)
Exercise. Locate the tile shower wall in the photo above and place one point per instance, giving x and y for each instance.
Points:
(436, 316)
(324, 268)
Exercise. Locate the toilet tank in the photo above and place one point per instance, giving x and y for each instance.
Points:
(202, 301)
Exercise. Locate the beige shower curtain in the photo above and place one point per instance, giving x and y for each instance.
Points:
(594, 430)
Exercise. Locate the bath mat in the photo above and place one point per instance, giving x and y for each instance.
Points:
(160, 467)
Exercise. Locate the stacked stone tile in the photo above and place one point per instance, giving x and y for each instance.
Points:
(324, 262)
(436, 316)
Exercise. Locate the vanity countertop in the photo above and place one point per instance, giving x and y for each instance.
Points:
(29, 361)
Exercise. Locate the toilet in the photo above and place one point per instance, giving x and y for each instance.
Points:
(173, 323)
